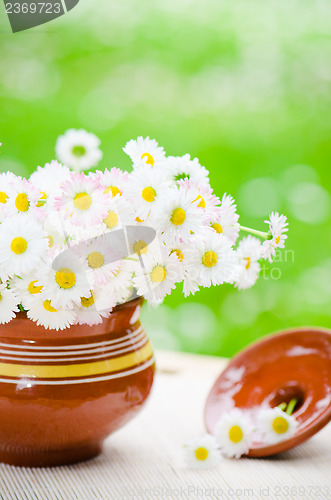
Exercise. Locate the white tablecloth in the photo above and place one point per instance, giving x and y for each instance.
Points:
(144, 459)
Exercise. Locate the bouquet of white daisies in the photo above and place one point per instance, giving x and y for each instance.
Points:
(73, 245)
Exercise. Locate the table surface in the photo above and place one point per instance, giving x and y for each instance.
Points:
(145, 458)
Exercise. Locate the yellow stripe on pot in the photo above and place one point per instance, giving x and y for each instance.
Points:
(78, 370)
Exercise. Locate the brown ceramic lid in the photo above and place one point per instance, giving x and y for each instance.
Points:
(290, 364)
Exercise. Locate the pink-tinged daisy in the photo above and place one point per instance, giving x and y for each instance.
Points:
(22, 245)
(276, 425)
(144, 190)
(42, 311)
(178, 215)
(249, 252)
(212, 260)
(277, 227)
(78, 149)
(145, 151)
(202, 452)
(226, 219)
(207, 201)
(234, 433)
(82, 201)
(158, 275)
(48, 181)
(8, 304)
(94, 307)
(23, 199)
(183, 167)
(65, 281)
(113, 181)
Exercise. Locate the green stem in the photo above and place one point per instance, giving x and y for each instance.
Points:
(282, 406)
(261, 234)
(291, 406)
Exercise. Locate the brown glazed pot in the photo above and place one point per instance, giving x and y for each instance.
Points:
(62, 393)
(291, 364)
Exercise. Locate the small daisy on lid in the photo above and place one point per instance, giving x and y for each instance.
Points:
(202, 452)
(276, 425)
(234, 433)
(78, 149)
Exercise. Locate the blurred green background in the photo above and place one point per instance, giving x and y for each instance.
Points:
(245, 86)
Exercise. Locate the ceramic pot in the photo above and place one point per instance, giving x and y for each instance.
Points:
(62, 393)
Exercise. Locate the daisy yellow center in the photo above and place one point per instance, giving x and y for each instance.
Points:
(48, 307)
(201, 453)
(18, 245)
(82, 201)
(42, 199)
(158, 274)
(22, 203)
(148, 194)
(140, 247)
(178, 216)
(3, 197)
(78, 150)
(113, 189)
(50, 241)
(111, 220)
(209, 259)
(280, 425)
(235, 434)
(248, 262)
(139, 220)
(0, 297)
(95, 260)
(65, 278)
(277, 240)
(149, 158)
(202, 203)
(217, 227)
(179, 254)
(87, 301)
(33, 288)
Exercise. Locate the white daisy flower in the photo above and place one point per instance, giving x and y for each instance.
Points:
(113, 181)
(226, 219)
(6, 181)
(100, 257)
(144, 190)
(178, 215)
(145, 151)
(276, 425)
(66, 281)
(119, 213)
(8, 305)
(277, 227)
(234, 433)
(202, 452)
(207, 201)
(249, 252)
(121, 279)
(25, 288)
(82, 201)
(48, 180)
(94, 307)
(212, 260)
(23, 199)
(158, 276)
(78, 149)
(182, 167)
(42, 311)
(22, 244)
